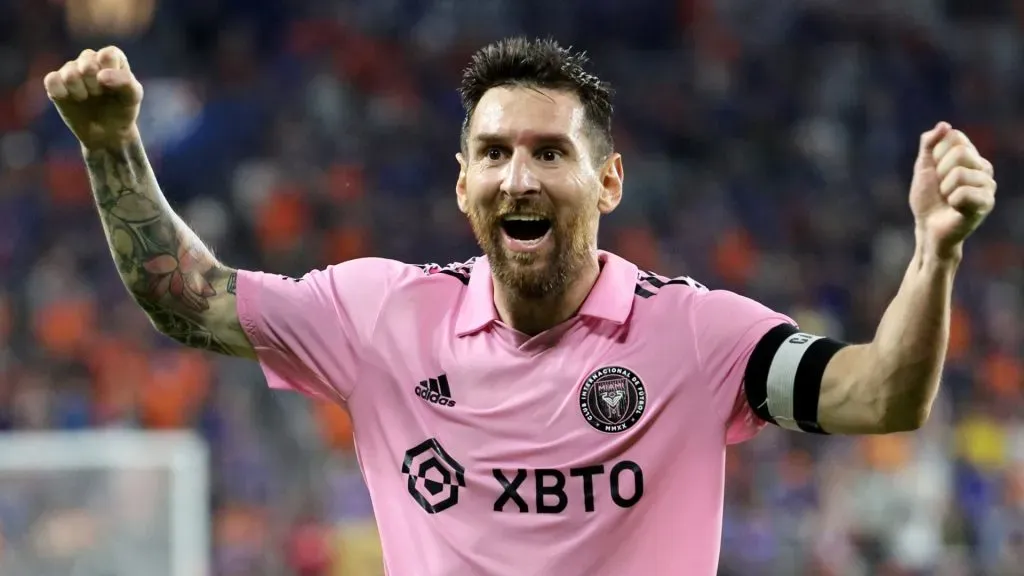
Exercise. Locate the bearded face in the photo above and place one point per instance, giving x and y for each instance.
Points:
(531, 190)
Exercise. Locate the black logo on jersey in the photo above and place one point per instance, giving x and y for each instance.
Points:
(434, 476)
(436, 391)
(613, 399)
(554, 490)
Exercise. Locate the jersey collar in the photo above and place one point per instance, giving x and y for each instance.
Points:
(611, 298)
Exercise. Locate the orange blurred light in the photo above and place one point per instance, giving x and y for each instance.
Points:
(118, 18)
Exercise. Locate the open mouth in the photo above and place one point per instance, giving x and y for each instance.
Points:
(525, 228)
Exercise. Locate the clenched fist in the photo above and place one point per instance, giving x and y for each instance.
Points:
(953, 190)
(98, 97)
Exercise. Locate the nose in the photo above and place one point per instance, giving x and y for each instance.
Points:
(519, 178)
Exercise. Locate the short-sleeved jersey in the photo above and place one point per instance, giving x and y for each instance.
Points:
(597, 447)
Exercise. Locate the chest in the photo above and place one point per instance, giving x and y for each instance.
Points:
(585, 397)
(593, 421)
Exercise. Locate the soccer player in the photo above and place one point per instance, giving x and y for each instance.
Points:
(546, 408)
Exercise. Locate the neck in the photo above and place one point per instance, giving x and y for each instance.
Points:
(535, 315)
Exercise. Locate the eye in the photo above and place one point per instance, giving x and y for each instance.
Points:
(493, 153)
(550, 155)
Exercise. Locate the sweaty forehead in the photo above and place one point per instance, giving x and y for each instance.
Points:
(519, 112)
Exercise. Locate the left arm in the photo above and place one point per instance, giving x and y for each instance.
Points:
(803, 382)
(889, 385)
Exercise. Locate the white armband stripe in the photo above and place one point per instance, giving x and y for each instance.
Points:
(782, 378)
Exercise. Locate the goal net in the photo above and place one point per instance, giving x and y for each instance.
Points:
(110, 503)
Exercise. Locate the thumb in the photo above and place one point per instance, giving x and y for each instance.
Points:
(120, 82)
(929, 140)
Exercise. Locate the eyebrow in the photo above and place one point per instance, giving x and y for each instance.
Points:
(542, 139)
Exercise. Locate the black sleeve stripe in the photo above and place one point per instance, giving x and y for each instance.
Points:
(642, 292)
(755, 377)
(461, 271)
(782, 380)
(657, 282)
(808, 375)
(458, 276)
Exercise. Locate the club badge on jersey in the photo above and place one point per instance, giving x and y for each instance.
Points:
(613, 399)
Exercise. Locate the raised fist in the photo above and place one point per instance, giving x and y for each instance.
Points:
(953, 189)
(98, 97)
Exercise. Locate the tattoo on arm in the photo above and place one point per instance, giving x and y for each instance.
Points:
(177, 281)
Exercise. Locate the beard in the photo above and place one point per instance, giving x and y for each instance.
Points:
(533, 275)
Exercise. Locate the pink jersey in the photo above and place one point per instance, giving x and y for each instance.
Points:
(595, 448)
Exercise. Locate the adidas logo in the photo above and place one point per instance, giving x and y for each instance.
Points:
(436, 391)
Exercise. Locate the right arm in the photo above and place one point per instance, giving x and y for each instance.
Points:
(310, 334)
(187, 294)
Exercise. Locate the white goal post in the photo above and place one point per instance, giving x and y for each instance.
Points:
(145, 495)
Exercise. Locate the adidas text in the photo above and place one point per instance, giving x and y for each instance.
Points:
(436, 391)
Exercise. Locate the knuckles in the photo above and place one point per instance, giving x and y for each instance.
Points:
(959, 163)
(93, 60)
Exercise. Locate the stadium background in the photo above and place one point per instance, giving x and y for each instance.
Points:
(768, 147)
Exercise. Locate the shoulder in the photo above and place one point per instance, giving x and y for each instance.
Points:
(663, 299)
(688, 307)
(361, 279)
(424, 296)
(428, 284)
(665, 306)
(687, 293)
(385, 273)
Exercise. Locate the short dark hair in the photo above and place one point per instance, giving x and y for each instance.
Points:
(539, 64)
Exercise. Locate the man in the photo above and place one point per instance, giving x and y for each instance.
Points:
(546, 408)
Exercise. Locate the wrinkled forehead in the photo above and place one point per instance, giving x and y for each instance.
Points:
(516, 113)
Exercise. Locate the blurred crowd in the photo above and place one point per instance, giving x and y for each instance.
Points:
(768, 148)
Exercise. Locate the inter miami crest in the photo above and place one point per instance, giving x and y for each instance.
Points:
(613, 399)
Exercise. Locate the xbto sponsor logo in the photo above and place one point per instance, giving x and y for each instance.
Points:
(434, 481)
(552, 493)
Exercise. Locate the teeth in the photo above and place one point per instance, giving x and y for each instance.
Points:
(524, 217)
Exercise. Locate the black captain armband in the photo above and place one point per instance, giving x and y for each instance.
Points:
(783, 377)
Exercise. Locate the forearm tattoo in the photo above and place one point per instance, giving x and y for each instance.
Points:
(168, 271)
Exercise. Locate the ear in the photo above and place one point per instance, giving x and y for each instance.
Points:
(611, 184)
(460, 184)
